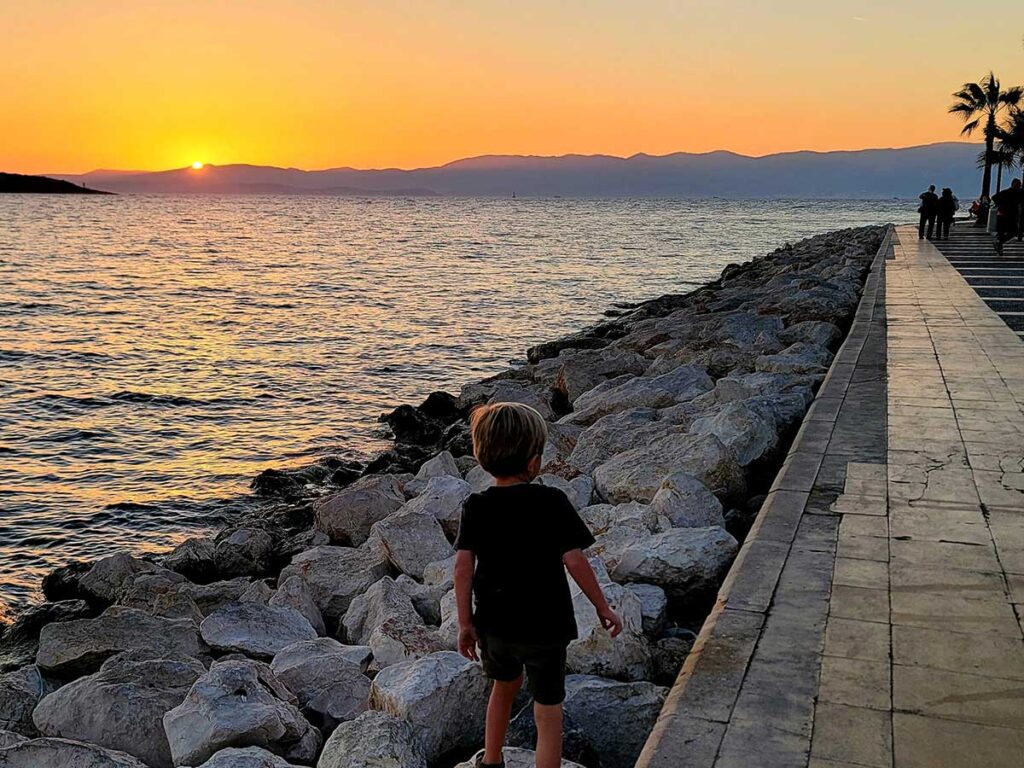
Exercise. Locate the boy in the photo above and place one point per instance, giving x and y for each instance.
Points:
(513, 541)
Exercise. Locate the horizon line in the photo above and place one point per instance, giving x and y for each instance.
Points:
(495, 155)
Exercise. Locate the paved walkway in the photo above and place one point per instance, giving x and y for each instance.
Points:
(874, 615)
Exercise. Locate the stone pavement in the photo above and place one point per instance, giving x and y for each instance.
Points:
(874, 614)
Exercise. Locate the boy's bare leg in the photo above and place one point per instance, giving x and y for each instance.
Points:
(549, 734)
(499, 712)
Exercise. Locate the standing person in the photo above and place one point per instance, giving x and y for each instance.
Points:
(946, 212)
(928, 208)
(1008, 203)
(516, 541)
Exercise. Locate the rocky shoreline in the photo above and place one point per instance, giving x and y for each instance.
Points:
(321, 632)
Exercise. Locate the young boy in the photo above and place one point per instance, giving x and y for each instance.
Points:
(513, 541)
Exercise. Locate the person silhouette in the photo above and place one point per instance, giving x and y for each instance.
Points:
(945, 212)
(1008, 204)
(928, 209)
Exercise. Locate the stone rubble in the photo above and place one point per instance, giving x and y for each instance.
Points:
(667, 423)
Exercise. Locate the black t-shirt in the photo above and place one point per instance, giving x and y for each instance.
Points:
(519, 534)
(1008, 201)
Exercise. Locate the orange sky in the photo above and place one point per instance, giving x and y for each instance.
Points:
(154, 84)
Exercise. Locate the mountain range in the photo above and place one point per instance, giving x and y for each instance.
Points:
(868, 173)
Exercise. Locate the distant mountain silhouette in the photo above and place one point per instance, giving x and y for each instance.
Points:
(871, 173)
(16, 182)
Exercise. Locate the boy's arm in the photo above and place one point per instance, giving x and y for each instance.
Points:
(576, 563)
(465, 564)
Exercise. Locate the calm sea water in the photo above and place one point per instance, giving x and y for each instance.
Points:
(158, 352)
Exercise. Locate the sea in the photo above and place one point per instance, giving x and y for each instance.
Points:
(157, 352)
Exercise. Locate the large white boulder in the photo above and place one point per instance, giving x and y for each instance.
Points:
(578, 490)
(335, 575)
(687, 502)
(347, 516)
(426, 598)
(373, 740)
(293, 593)
(799, 358)
(443, 498)
(72, 648)
(443, 696)
(595, 651)
(411, 539)
(398, 640)
(616, 527)
(382, 601)
(246, 757)
(479, 479)
(615, 717)
(121, 707)
(441, 465)
(63, 753)
(580, 370)
(636, 475)
(255, 629)
(239, 704)
(653, 607)
(749, 436)
(688, 563)
(684, 383)
(330, 686)
(616, 433)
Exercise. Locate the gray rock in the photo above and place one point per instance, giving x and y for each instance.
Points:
(255, 629)
(335, 575)
(579, 370)
(443, 696)
(653, 607)
(73, 648)
(615, 717)
(616, 433)
(669, 653)
(155, 594)
(210, 597)
(558, 447)
(537, 396)
(257, 592)
(293, 593)
(329, 685)
(109, 576)
(441, 465)
(747, 385)
(442, 497)
(399, 639)
(121, 707)
(382, 601)
(595, 651)
(247, 757)
(479, 479)
(636, 475)
(440, 573)
(245, 551)
(687, 502)
(239, 704)
(799, 358)
(617, 527)
(813, 332)
(684, 383)
(426, 598)
(20, 691)
(373, 740)
(517, 757)
(740, 429)
(688, 563)
(194, 558)
(62, 753)
(10, 738)
(578, 490)
(348, 515)
(411, 539)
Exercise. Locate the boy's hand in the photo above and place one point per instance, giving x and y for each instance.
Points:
(610, 620)
(467, 642)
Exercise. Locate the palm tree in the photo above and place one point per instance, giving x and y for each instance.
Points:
(983, 103)
(1011, 136)
(1001, 157)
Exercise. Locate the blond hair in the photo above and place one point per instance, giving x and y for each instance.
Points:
(506, 436)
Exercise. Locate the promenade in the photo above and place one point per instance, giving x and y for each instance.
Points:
(874, 615)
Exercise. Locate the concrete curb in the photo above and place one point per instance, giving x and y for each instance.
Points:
(700, 703)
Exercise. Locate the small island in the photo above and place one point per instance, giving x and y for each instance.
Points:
(19, 183)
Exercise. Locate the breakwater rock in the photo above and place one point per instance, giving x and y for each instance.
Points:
(322, 632)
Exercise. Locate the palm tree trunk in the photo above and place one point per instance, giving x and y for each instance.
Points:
(999, 176)
(986, 180)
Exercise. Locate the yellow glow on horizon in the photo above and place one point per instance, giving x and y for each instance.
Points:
(197, 165)
(150, 86)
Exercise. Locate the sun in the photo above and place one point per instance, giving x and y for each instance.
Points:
(197, 165)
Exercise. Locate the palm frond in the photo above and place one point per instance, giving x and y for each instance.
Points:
(970, 127)
(1012, 96)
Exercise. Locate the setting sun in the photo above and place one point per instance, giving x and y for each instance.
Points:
(197, 165)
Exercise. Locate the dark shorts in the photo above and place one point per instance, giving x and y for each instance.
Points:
(545, 666)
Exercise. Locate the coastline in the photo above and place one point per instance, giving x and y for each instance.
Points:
(707, 388)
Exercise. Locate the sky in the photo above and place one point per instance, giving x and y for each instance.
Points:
(156, 84)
